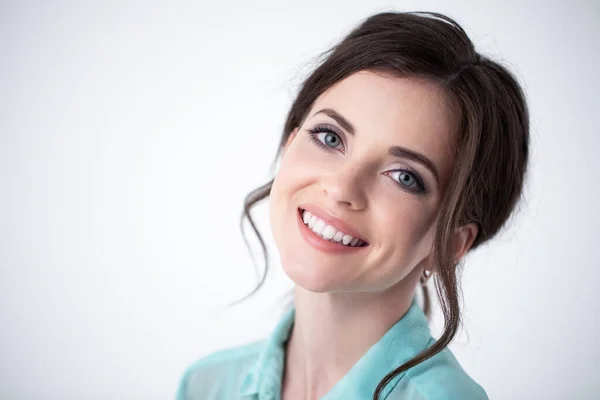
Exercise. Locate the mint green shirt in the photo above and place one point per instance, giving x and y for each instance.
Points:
(254, 371)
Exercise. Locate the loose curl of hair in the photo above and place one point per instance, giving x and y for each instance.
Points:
(491, 153)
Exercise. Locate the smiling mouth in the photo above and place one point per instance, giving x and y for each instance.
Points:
(334, 235)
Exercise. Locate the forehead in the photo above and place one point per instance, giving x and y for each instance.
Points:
(396, 111)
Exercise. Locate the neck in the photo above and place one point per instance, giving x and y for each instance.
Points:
(332, 331)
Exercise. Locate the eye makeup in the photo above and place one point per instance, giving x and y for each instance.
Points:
(313, 132)
(416, 186)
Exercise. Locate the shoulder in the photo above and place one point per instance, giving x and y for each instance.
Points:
(219, 373)
(440, 377)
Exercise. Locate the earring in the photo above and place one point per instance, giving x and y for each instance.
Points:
(425, 276)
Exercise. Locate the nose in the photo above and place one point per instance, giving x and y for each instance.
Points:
(345, 187)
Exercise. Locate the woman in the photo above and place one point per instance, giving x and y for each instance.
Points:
(403, 150)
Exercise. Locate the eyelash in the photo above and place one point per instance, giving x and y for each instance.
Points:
(326, 129)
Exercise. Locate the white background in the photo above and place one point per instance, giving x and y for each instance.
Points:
(131, 132)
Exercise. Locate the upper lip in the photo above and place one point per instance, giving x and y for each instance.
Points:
(331, 220)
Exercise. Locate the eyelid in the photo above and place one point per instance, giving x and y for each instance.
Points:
(325, 128)
(334, 128)
(419, 181)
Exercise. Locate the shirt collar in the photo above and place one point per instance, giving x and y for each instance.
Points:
(265, 375)
(407, 337)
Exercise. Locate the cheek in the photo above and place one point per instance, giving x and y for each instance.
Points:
(288, 180)
(406, 227)
(297, 166)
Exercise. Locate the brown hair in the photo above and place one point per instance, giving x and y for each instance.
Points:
(491, 153)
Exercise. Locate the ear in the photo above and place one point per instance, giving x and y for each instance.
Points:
(290, 139)
(465, 236)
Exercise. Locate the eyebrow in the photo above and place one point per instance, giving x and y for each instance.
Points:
(396, 151)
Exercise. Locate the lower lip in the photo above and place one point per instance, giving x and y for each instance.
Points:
(321, 244)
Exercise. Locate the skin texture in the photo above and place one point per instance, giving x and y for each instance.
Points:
(367, 291)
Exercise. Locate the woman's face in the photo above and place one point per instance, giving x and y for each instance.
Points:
(389, 199)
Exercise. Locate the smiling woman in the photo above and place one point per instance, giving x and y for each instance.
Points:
(393, 201)
(403, 150)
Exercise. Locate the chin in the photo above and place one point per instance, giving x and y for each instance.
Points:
(315, 281)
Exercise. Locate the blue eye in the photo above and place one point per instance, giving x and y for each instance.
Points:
(406, 179)
(409, 180)
(330, 140)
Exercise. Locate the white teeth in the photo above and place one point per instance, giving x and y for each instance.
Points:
(306, 217)
(318, 227)
(328, 232)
